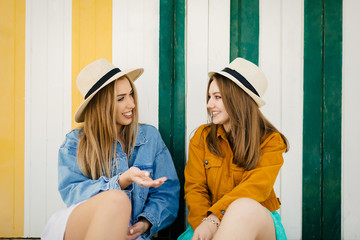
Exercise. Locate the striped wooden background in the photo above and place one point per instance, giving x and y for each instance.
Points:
(307, 48)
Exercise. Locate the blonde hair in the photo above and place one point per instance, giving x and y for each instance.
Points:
(99, 134)
(248, 126)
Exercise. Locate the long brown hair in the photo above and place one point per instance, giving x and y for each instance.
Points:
(99, 134)
(248, 126)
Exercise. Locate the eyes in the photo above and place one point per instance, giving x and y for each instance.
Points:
(216, 96)
(122, 96)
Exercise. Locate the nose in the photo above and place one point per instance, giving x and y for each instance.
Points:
(210, 104)
(131, 103)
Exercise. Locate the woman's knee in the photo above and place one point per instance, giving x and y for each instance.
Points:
(246, 206)
(103, 207)
(244, 203)
(115, 200)
(250, 217)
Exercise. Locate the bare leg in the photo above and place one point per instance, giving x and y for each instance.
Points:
(104, 216)
(246, 219)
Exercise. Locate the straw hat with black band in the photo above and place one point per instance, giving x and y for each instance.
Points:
(97, 75)
(248, 77)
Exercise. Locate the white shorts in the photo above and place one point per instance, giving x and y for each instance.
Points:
(55, 227)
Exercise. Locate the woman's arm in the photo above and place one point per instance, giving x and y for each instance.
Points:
(162, 203)
(74, 186)
(196, 190)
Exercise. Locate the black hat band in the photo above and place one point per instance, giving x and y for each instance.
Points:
(101, 81)
(241, 79)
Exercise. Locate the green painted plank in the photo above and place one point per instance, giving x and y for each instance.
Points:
(172, 95)
(322, 119)
(244, 30)
(179, 110)
(313, 120)
(166, 60)
(234, 29)
(249, 37)
(332, 119)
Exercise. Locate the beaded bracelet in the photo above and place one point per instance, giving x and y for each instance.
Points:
(211, 220)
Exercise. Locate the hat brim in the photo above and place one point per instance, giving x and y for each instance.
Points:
(131, 74)
(256, 98)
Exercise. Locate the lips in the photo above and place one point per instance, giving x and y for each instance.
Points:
(214, 114)
(128, 115)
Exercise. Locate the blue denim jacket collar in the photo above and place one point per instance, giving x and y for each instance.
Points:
(140, 138)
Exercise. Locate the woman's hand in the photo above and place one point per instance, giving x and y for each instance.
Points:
(207, 229)
(137, 229)
(142, 178)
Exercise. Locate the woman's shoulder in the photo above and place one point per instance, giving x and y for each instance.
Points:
(273, 141)
(201, 132)
(148, 130)
(71, 139)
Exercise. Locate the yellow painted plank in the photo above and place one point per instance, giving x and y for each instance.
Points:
(12, 117)
(91, 39)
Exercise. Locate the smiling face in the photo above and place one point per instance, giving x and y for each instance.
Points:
(216, 106)
(125, 103)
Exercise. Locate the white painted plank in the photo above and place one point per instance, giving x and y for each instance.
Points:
(148, 85)
(208, 44)
(281, 60)
(48, 106)
(57, 81)
(292, 115)
(196, 65)
(67, 63)
(270, 57)
(28, 19)
(270, 63)
(350, 121)
(38, 115)
(219, 34)
(136, 44)
(119, 39)
(54, 106)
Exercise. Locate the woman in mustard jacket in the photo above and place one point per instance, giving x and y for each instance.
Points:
(234, 161)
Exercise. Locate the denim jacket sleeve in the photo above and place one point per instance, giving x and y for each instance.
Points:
(162, 204)
(74, 186)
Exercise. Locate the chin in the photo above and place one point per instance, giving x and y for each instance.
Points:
(217, 122)
(124, 123)
(128, 123)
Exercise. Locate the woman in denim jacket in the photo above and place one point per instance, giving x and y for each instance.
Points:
(116, 177)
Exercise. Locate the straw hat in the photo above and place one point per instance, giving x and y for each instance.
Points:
(248, 76)
(97, 75)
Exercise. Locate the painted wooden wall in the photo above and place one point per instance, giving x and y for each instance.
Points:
(58, 38)
(12, 116)
(280, 56)
(47, 106)
(350, 121)
(135, 37)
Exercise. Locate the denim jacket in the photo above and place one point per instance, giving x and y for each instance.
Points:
(158, 205)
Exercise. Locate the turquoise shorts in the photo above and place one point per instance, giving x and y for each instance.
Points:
(279, 229)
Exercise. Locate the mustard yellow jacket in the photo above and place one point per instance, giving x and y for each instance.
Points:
(212, 183)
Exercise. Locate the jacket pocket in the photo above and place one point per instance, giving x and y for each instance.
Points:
(212, 161)
(213, 166)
